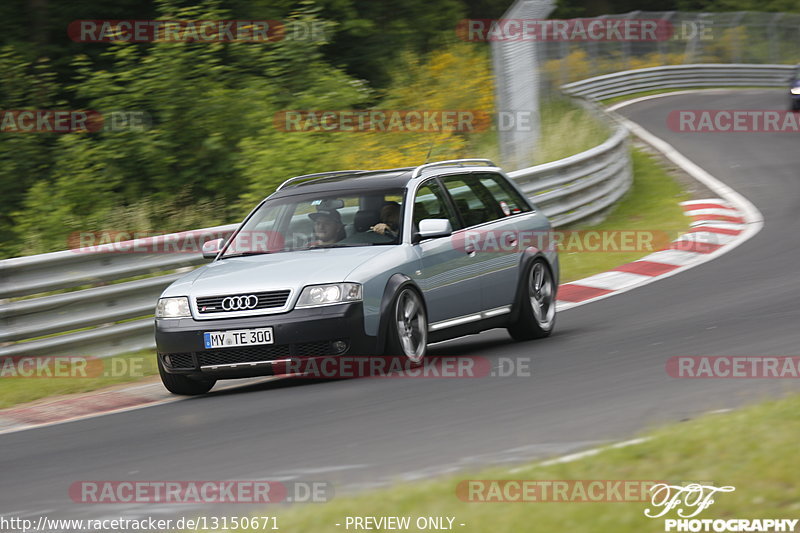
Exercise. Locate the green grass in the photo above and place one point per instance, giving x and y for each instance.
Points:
(650, 205)
(753, 450)
(567, 129)
(99, 373)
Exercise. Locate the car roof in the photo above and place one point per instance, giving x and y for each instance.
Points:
(358, 179)
(395, 178)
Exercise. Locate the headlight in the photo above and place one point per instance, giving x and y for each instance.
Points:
(795, 90)
(173, 308)
(334, 293)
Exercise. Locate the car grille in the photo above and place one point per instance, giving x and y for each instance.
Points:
(181, 360)
(314, 349)
(266, 300)
(251, 354)
(230, 356)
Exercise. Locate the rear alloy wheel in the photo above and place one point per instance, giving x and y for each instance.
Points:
(537, 304)
(183, 385)
(409, 326)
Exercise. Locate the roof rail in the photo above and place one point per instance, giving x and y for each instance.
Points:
(323, 175)
(317, 175)
(451, 162)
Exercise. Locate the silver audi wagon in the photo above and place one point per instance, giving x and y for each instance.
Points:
(361, 263)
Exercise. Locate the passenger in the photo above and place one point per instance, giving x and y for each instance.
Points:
(390, 220)
(328, 227)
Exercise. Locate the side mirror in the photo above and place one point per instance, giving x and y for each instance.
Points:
(430, 228)
(212, 248)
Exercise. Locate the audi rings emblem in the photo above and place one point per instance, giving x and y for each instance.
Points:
(240, 303)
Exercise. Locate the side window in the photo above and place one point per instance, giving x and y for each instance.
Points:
(473, 200)
(505, 196)
(430, 202)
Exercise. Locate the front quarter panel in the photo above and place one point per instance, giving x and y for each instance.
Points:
(374, 276)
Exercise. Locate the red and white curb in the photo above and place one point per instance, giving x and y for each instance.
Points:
(715, 224)
(97, 403)
(84, 405)
(719, 226)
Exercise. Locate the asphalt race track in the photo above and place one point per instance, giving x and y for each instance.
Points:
(600, 378)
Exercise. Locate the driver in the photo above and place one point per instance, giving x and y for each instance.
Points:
(328, 227)
(390, 220)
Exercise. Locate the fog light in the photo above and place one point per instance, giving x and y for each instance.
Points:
(338, 346)
(167, 361)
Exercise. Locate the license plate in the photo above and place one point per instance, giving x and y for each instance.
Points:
(237, 337)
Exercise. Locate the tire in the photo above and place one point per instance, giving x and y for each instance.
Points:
(408, 326)
(183, 385)
(536, 302)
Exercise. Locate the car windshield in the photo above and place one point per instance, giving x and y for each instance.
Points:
(327, 220)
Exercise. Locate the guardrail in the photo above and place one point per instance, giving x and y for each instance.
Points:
(680, 76)
(105, 317)
(582, 185)
(106, 312)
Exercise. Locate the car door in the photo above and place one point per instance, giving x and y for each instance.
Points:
(447, 275)
(489, 216)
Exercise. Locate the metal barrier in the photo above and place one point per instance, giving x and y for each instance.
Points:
(582, 185)
(97, 320)
(680, 76)
(38, 317)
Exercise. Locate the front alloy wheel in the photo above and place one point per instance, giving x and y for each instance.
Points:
(410, 325)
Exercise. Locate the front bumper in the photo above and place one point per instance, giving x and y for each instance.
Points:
(298, 334)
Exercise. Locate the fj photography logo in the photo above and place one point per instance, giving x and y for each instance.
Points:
(19, 366)
(688, 501)
(194, 31)
(72, 121)
(199, 492)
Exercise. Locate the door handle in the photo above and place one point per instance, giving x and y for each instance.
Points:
(470, 250)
